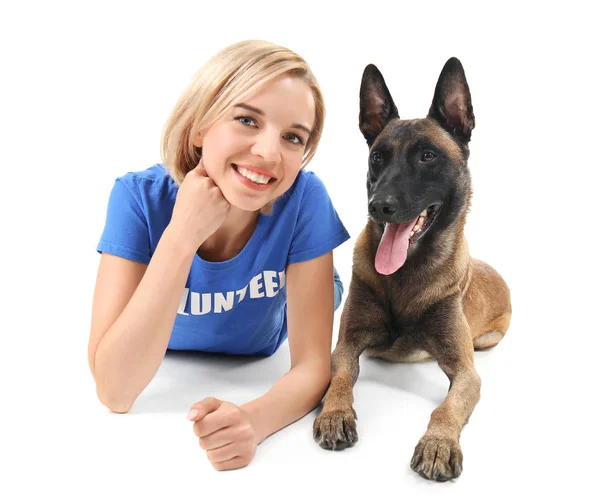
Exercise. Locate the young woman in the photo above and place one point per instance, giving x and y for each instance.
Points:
(225, 247)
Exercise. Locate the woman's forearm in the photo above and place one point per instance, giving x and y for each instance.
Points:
(290, 398)
(131, 351)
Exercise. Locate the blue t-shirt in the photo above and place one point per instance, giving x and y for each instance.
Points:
(236, 306)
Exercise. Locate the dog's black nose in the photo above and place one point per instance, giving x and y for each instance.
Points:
(382, 207)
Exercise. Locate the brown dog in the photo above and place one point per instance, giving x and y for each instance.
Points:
(415, 291)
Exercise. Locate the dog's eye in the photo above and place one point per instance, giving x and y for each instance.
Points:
(428, 156)
(376, 157)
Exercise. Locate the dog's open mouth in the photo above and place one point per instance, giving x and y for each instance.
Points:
(398, 238)
(423, 223)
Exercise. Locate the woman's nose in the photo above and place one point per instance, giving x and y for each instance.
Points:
(267, 146)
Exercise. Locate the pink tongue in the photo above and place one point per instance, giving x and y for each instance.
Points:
(393, 248)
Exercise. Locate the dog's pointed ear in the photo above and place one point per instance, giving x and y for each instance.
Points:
(377, 107)
(451, 106)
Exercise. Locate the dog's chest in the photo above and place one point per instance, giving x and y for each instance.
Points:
(406, 336)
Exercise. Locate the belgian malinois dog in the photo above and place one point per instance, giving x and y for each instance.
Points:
(415, 291)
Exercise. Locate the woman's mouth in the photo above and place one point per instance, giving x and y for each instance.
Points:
(252, 178)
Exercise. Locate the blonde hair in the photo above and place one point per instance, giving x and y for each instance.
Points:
(229, 76)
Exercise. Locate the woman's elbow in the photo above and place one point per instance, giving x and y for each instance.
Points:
(116, 403)
(323, 378)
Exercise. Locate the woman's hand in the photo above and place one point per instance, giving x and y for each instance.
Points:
(226, 433)
(200, 208)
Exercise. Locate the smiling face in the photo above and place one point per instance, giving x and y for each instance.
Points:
(254, 152)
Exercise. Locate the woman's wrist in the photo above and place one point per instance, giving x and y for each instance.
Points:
(178, 242)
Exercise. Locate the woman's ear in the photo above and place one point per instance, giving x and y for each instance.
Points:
(198, 141)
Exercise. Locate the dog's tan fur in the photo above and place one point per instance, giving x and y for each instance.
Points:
(443, 309)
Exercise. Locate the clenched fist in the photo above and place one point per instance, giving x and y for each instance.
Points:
(225, 432)
(200, 208)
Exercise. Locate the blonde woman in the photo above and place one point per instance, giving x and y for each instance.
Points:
(224, 247)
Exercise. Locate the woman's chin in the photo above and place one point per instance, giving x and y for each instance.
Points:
(242, 203)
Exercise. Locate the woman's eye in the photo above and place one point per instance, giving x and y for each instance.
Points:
(428, 156)
(248, 121)
(376, 157)
(293, 138)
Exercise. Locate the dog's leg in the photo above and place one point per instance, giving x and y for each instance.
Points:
(438, 455)
(335, 427)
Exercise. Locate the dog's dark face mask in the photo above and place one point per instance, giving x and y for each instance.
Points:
(418, 182)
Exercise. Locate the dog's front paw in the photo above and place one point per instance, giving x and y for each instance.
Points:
(437, 458)
(336, 430)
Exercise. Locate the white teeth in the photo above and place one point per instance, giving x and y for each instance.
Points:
(418, 225)
(253, 176)
(424, 213)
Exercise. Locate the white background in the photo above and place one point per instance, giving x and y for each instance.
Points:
(85, 91)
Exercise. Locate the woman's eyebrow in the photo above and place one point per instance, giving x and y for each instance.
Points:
(250, 108)
(262, 114)
(301, 127)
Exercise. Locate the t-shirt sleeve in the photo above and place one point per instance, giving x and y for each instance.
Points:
(318, 228)
(126, 229)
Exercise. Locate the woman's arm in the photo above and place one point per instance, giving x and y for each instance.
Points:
(132, 317)
(310, 324)
(230, 434)
(135, 306)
